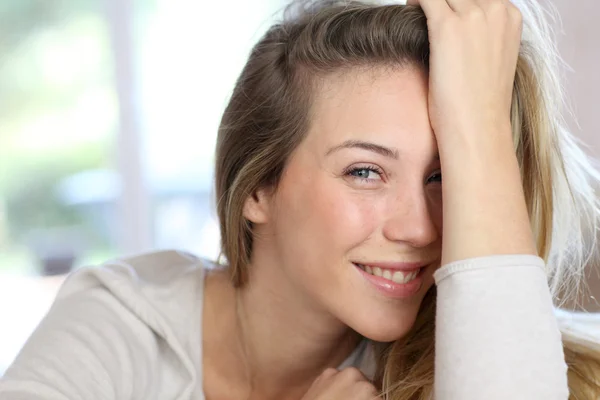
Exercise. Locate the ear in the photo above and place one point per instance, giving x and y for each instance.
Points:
(257, 207)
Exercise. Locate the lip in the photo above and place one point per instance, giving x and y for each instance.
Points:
(392, 289)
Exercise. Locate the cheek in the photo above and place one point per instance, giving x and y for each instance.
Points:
(351, 215)
(327, 212)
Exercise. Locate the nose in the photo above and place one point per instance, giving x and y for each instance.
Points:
(412, 219)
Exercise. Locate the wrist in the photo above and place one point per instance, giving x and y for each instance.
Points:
(485, 212)
(472, 147)
(474, 136)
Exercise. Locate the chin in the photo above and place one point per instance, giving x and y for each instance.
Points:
(383, 330)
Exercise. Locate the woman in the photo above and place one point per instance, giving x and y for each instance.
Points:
(328, 181)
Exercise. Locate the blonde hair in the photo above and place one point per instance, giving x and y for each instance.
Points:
(269, 114)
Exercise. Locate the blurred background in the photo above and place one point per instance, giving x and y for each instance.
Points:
(108, 118)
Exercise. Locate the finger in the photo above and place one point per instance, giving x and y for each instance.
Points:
(461, 6)
(323, 379)
(487, 2)
(502, 9)
(352, 374)
(434, 9)
(365, 390)
(514, 12)
(458, 6)
(327, 373)
(492, 5)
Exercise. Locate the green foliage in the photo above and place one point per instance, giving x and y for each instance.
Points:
(22, 18)
(31, 198)
(48, 56)
(53, 53)
(34, 33)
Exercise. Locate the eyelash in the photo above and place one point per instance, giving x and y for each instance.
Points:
(435, 177)
(371, 168)
(435, 174)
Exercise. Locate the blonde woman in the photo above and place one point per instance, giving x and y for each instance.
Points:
(351, 271)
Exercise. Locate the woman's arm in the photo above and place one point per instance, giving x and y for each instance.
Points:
(474, 50)
(497, 337)
(496, 334)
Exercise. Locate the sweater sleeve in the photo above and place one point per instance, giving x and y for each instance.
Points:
(88, 347)
(496, 334)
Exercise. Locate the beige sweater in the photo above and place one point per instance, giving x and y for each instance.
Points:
(131, 329)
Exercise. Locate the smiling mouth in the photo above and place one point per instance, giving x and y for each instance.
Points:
(395, 276)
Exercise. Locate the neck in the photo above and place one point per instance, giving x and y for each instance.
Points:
(287, 342)
(278, 342)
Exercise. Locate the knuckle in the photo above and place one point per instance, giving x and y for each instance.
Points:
(328, 372)
(366, 389)
(514, 13)
(497, 8)
(475, 14)
(352, 374)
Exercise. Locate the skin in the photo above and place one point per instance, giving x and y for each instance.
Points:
(304, 301)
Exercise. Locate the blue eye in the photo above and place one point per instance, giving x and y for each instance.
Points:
(368, 173)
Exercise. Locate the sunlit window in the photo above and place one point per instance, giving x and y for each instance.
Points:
(108, 118)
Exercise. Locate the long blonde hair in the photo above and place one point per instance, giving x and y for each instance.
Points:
(268, 115)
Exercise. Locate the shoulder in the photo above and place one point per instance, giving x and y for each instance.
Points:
(115, 327)
(164, 289)
(152, 269)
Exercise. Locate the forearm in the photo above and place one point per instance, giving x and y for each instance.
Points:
(496, 334)
(484, 205)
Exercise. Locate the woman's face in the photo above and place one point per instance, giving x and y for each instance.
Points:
(355, 223)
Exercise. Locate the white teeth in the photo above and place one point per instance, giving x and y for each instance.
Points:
(398, 277)
(395, 276)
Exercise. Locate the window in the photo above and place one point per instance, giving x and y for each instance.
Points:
(108, 119)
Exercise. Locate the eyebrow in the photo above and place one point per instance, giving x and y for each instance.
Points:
(358, 144)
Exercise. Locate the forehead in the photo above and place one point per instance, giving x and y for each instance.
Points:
(384, 104)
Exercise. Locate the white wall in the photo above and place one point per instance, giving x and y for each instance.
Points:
(580, 48)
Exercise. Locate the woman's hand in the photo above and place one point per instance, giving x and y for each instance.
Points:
(348, 384)
(474, 51)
